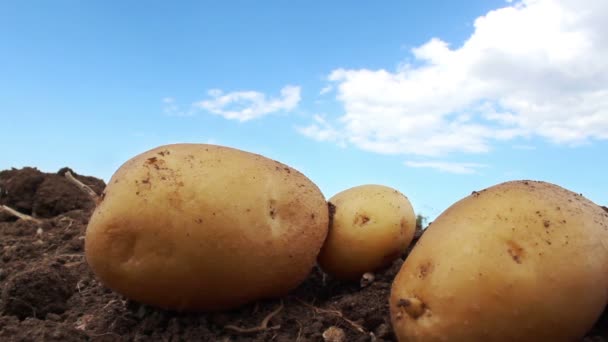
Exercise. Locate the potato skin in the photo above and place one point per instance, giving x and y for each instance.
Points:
(204, 227)
(519, 261)
(371, 226)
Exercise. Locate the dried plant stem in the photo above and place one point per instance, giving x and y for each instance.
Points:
(262, 327)
(335, 313)
(85, 188)
(299, 331)
(18, 214)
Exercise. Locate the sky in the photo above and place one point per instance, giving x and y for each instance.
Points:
(434, 98)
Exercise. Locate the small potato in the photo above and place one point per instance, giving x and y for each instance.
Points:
(371, 226)
(203, 227)
(519, 261)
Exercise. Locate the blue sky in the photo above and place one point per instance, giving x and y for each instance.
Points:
(434, 98)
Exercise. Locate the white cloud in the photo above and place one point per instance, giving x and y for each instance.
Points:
(248, 105)
(449, 167)
(326, 90)
(321, 130)
(533, 68)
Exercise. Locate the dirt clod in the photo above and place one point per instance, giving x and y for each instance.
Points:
(38, 291)
(45, 195)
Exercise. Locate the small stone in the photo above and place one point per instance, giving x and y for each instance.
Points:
(334, 334)
(141, 312)
(53, 317)
(367, 279)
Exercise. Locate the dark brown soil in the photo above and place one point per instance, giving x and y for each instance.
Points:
(45, 195)
(49, 294)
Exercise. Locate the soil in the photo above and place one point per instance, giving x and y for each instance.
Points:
(48, 292)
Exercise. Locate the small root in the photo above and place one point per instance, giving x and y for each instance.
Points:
(82, 322)
(110, 303)
(70, 255)
(105, 334)
(299, 331)
(338, 313)
(18, 214)
(83, 187)
(69, 225)
(262, 327)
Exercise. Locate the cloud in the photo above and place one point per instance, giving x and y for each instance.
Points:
(321, 130)
(448, 167)
(535, 68)
(327, 89)
(248, 105)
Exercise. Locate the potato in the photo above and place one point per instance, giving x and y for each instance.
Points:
(203, 227)
(371, 226)
(519, 261)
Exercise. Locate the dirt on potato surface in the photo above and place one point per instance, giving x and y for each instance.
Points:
(48, 293)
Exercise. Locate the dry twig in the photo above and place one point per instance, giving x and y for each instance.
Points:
(299, 331)
(71, 222)
(18, 214)
(262, 327)
(335, 313)
(110, 303)
(83, 187)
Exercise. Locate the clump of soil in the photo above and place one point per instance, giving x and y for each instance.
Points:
(38, 291)
(45, 195)
(32, 329)
(49, 293)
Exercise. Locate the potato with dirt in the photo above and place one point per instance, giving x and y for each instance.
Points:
(519, 261)
(204, 227)
(371, 226)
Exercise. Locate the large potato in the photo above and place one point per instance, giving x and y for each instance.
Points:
(203, 227)
(371, 226)
(519, 261)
